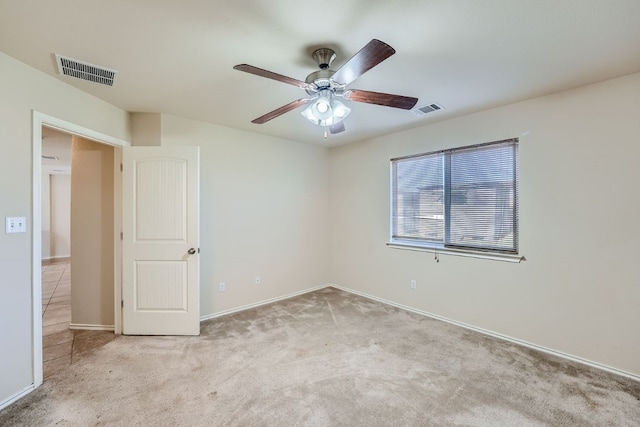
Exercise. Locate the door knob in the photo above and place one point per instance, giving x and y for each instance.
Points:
(191, 251)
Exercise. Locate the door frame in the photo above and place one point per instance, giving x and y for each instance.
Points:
(38, 121)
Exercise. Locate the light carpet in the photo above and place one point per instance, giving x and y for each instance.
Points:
(327, 358)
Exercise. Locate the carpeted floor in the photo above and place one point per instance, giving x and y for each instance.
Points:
(327, 358)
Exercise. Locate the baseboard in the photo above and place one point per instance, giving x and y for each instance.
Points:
(50, 260)
(496, 335)
(16, 397)
(258, 304)
(87, 327)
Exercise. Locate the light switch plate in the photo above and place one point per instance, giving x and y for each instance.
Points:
(16, 224)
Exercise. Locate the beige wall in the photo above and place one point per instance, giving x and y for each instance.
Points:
(578, 291)
(60, 215)
(146, 129)
(263, 211)
(24, 90)
(92, 234)
(55, 203)
(45, 226)
(56, 193)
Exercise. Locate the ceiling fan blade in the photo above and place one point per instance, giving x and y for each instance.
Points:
(384, 99)
(368, 57)
(280, 111)
(337, 128)
(274, 76)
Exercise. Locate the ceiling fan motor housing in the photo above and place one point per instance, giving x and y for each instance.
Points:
(321, 78)
(323, 57)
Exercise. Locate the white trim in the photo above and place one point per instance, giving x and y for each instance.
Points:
(68, 127)
(117, 247)
(36, 252)
(496, 335)
(38, 121)
(16, 397)
(88, 327)
(412, 246)
(264, 302)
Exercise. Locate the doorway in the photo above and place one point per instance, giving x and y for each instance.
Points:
(77, 315)
(40, 122)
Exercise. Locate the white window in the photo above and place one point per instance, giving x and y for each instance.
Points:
(463, 199)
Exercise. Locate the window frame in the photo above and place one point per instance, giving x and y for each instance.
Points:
(445, 247)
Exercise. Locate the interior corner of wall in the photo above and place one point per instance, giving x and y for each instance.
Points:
(146, 129)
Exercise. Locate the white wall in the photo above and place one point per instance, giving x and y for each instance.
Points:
(263, 212)
(23, 90)
(579, 289)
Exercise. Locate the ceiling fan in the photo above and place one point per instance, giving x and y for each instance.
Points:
(325, 86)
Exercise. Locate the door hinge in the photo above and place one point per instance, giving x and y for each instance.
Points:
(121, 303)
(121, 236)
(121, 168)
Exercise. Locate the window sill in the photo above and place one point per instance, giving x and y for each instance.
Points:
(413, 246)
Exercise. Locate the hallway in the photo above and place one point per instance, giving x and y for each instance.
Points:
(63, 346)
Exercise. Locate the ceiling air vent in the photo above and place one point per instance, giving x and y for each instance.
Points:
(85, 71)
(429, 108)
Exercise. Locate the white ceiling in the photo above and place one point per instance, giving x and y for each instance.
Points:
(176, 57)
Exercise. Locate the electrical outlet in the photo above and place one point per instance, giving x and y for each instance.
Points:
(258, 281)
(413, 284)
(222, 287)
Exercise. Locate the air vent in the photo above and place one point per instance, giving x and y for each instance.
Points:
(429, 108)
(85, 71)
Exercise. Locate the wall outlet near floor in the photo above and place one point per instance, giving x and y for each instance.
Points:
(258, 280)
(413, 284)
(222, 287)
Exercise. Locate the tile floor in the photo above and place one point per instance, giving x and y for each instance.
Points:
(63, 346)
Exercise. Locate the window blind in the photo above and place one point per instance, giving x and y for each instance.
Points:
(460, 198)
(419, 198)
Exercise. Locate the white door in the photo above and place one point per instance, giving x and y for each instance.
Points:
(160, 268)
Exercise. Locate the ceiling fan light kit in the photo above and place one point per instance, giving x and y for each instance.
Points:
(325, 85)
(325, 111)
